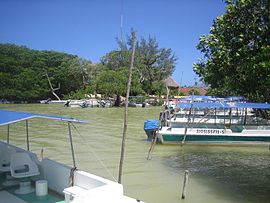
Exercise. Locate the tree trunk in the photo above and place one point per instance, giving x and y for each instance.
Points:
(117, 101)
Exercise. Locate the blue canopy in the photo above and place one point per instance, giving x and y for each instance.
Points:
(151, 124)
(8, 117)
(223, 105)
(197, 98)
(212, 98)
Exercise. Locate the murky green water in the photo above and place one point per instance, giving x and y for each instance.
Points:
(217, 174)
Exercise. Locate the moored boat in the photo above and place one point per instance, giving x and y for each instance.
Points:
(169, 135)
(53, 181)
(230, 129)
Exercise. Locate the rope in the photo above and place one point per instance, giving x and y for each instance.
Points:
(96, 156)
(71, 176)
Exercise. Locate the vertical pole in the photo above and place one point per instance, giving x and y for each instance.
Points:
(126, 109)
(215, 116)
(245, 118)
(168, 106)
(230, 116)
(27, 134)
(185, 184)
(154, 140)
(8, 134)
(224, 116)
(71, 145)
(121, 20)
(187, 125)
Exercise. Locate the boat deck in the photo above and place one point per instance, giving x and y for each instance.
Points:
(7, 194)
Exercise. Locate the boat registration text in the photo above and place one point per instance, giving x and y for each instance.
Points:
(210, 131)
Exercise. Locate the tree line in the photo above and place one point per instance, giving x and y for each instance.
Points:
(235, 62)
(25, 73)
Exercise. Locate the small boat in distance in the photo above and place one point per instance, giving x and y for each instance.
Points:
(20, 170)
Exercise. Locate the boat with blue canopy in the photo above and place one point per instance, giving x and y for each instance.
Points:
(219, 123)
(199, 98)
(25, 178)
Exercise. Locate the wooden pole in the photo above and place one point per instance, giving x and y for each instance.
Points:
(185, 184)
(154, 140)
(126, 109)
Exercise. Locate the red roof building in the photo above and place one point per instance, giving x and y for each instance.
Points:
(188, 90)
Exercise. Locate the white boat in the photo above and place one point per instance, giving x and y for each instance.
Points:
(89, 103)
(25, 178)
(49, 101)
(228, 130)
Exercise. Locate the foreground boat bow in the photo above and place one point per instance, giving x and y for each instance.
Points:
(83, 187)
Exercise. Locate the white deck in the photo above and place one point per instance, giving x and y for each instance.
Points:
(87, 187)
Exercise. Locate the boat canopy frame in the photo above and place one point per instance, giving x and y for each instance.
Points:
(8, 117)
(223, 105)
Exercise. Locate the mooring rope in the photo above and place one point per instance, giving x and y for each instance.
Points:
(71, 176)
(96, 156)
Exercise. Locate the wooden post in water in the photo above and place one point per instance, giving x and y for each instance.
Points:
(126, 108)
(154, 140)
(185, 184)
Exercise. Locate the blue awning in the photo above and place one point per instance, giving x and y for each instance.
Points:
(8, 117)
(197, 98)
(212, 98)
(223, 105)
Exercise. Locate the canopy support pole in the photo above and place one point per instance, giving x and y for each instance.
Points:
(224, 117)
(71, 145)
(215, 116)
(230, 116)
(27, 134)
(8, 133)
(245, 119)
(187, 125)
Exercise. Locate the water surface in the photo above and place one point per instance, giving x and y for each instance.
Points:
(217, 173)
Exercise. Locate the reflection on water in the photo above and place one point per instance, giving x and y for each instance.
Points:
(241, 171)
(217, 174)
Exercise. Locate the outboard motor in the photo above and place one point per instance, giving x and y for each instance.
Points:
(150, 128)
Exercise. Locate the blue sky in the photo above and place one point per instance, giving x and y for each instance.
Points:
(88, 28)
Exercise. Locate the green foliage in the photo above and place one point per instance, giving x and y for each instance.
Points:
(158, 88)
(152, 64)
(23, 73)
(176, 93)
(79, 94)
(114, 82)
(237, 51)
(116, 59)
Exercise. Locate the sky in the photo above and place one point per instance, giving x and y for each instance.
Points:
(88, 28)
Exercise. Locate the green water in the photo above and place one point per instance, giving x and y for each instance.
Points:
(217, 173)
